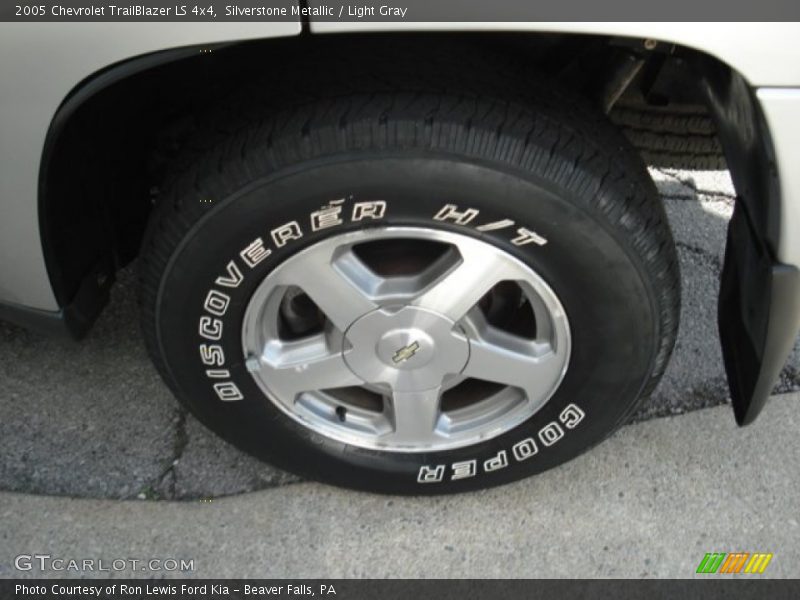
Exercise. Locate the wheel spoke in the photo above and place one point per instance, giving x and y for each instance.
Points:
(338, 284)
(461, 286)
(414, 415)
(502, 358)
(404, 331)
(304, 365)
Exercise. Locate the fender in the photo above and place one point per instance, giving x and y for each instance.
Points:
(64, 59)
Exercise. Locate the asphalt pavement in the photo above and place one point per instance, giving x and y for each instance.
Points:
(93, 419)
(650, 501)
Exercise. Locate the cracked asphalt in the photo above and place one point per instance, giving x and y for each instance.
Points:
(93, 419)
(648, 502)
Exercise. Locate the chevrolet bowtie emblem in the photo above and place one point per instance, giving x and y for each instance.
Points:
(406, 352)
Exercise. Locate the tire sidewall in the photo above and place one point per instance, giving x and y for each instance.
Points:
(589, 265)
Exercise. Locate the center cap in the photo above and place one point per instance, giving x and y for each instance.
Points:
(408, 348)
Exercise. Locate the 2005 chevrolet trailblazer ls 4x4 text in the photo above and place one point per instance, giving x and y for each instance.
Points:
(402, 261)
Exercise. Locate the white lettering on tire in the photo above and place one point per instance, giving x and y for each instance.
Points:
(212, 355)
(228, 391)
(232, 278)
(453, 213)
(211, 329)
(368, 210)
(496, 462)
(502, 224)
(550, 434)
(450, 212)
(216, 304)
(254, 253)
(526, 236)
(431, 474)
(464, 469)
(218, 373)
(285, 233)
(571, 416)
(327, 216)
(525, 449)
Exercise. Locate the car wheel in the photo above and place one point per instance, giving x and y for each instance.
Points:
(412, 297)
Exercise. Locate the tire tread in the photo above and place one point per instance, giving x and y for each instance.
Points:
(503, 114)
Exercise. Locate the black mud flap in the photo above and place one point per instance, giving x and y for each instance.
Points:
(759, 310)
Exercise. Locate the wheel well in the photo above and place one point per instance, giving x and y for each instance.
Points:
(117, 134)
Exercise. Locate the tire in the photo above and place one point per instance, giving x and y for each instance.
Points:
(673, 137)
(440, 163)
